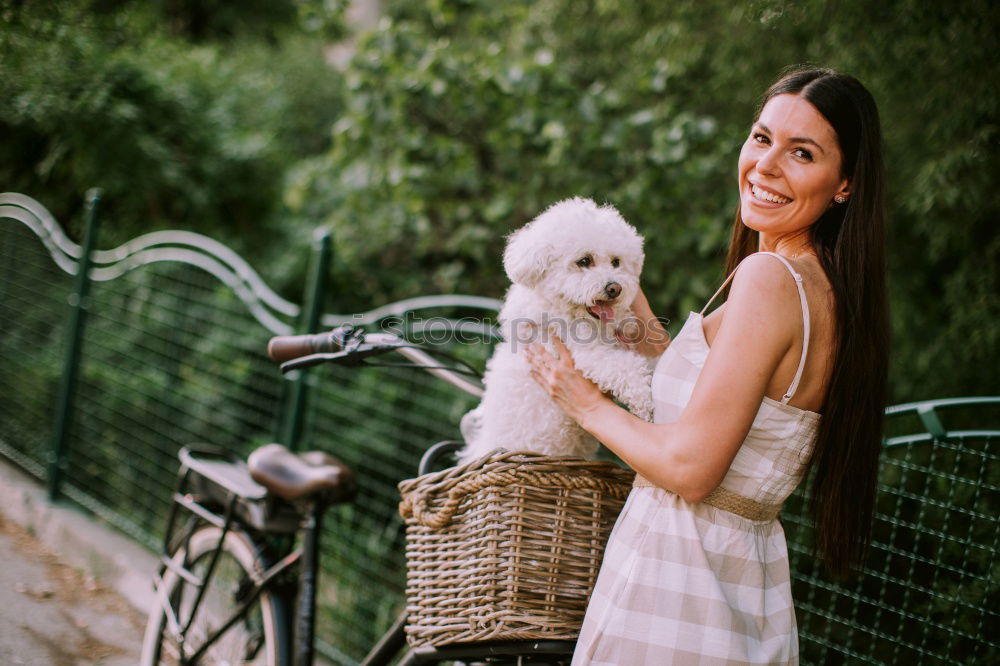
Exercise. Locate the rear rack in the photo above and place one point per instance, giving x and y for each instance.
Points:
(216, 486)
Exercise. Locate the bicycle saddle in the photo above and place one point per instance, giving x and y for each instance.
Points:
(294, 476)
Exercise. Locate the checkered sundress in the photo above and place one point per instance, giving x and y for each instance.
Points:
(691, 584)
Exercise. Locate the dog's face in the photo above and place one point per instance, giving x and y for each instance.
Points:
(583, 255)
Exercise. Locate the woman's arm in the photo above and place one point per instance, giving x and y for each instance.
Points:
(691, 456)
(647, 336)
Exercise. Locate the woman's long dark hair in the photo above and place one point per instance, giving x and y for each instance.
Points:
(850, 242)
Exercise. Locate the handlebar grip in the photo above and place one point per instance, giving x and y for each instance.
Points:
(287, 347)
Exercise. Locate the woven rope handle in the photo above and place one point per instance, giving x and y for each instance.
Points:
(415, 504)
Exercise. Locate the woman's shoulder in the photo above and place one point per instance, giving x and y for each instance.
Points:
(765, 296)
(765, 278)
(765, 288)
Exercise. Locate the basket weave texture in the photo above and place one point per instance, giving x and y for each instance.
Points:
(506, 547)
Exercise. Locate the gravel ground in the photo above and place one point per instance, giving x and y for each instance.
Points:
(53, 615)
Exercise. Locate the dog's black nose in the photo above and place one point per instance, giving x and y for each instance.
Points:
(613, 289)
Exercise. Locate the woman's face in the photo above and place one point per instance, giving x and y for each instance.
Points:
(790, 167)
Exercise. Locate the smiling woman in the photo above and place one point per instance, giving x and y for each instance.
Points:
(750, 397)
(791, 174)
(847, 238)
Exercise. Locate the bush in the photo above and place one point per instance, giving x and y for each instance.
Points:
(465, 119)
(178, 134)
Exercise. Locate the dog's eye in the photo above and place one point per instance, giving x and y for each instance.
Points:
(585, 262)
(615, 262)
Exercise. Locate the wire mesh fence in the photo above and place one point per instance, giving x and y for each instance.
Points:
(170, 357)
(33, 305)
(928, 592)
(379, 421)
(173, 353)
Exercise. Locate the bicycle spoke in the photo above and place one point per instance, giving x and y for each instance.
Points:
(227, 590)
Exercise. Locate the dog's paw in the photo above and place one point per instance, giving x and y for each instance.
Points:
(472, 424)
(643, 409)
(638, 397)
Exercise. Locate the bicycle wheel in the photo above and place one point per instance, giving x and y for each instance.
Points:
(260, 637)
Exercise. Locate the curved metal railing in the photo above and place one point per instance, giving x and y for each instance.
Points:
(170, 356)
(271, 310)
(185, 247)
(929, 413)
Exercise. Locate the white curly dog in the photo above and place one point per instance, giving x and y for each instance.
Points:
(575, 271)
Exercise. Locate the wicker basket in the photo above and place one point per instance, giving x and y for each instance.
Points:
(507, 547)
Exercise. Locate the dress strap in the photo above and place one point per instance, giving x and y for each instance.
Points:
(718, 291)
(805, 327)
(805, 321)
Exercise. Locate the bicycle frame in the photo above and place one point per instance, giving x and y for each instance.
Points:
(222, 494)
(198, 491)
(202, 513)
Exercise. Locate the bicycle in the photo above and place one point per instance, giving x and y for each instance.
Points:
(233, 586)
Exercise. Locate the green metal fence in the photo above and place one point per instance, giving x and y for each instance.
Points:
(172, 339)
(171, 351)
(928, 593)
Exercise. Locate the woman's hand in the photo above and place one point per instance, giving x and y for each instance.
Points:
(643, 332)
(557, 374)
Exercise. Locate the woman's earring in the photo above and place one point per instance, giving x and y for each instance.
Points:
(840, 198)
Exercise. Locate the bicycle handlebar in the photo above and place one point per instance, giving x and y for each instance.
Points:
(347, 345)
(287, 347)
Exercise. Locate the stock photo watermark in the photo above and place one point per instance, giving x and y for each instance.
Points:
(630, 330)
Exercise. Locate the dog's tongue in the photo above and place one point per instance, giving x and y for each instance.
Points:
(602, 311)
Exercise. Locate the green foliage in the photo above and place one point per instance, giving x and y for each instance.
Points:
(454, 122)
(457, 121)
(177, 134)
(934, 76)
(465, 119)
(451, 139)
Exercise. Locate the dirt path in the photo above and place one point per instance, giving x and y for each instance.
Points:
(53, 615)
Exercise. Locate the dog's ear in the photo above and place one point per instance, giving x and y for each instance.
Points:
(526, 257)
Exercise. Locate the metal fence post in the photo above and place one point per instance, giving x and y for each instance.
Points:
(314, 295)
(78, 301)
